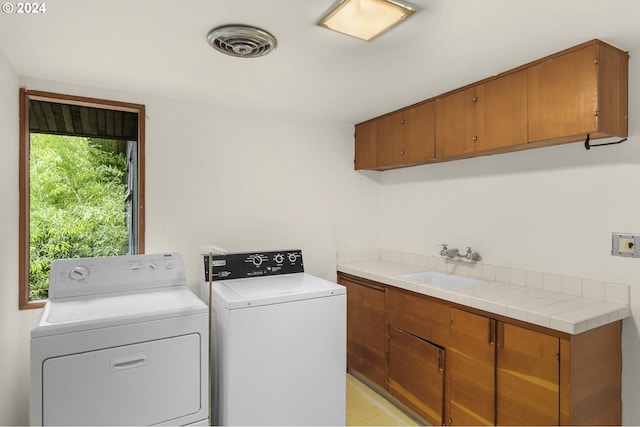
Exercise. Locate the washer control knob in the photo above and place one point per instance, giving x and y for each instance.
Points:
(292, 258)
(257, 260)
(153, 266)
(79, 273)
(168, 265)
(278, 258)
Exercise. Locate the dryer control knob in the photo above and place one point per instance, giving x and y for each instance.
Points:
(257, 260)
(79, 273)
(292, 258)
(278, 258)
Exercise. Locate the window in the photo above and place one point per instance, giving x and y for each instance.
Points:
(81, 183)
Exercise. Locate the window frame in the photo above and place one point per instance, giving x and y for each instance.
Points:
(24, 174)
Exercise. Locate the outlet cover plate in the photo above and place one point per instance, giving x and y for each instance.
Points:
(625, 244)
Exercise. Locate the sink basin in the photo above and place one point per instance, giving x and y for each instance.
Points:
(444, 280)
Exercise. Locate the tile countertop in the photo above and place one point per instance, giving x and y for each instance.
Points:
(563, 303)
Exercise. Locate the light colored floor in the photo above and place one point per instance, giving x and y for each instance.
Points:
(365, 407)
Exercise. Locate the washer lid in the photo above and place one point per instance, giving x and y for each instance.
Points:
(83, 313)
(257, 291)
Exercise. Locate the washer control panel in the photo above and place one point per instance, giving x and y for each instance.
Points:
(252, 264)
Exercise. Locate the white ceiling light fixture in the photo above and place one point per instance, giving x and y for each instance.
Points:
(365, 19)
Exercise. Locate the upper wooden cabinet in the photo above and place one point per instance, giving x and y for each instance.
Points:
(486, 117)
(558, 99)
(455, 124)
(501, 112)
(366, 145)
(406, 137)
(579, 93)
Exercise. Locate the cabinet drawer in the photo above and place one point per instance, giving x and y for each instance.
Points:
(419, 315)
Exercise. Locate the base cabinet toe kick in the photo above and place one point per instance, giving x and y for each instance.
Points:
(449, 364)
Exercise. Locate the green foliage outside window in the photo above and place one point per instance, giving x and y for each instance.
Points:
(77, 204)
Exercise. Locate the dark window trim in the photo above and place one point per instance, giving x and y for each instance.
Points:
(23, 181)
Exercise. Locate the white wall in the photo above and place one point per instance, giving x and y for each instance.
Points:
(239, 179)
(14, 326)
(549, 210)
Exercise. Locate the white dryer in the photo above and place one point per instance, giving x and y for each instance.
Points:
(121, 341)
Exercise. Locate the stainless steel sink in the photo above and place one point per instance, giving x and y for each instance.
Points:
(443, 280)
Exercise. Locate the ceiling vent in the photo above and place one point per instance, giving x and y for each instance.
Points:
(242, 41)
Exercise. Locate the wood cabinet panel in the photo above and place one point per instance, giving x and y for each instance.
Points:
(579, 93)
(366, 332)
(527, 377)
(366, 149)
(563, 96)
(501, 112)
(390, 147)
(419, 315)
(416, 374)
(591, 377)
(406, 137)
(420, 133)
(470, 370)
(455, 124)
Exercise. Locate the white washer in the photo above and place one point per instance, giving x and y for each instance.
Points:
(121, 341)
(278, 342)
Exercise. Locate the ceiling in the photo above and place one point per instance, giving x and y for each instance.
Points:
(159, 47)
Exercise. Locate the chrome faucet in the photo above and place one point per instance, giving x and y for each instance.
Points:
(453, 253)
(449, 253)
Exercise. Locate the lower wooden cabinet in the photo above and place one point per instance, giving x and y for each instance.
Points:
(527, 377)
(416, 374)
(470, 370)
(501, 374)
(366, 331)
(455, 365)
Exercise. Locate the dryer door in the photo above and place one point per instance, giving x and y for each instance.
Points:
(139, 384)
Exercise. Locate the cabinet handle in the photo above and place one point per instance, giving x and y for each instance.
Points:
(475, 137)
(475, 99)
(402, 121)
(500, 335)
(402, 152)
(492, 331)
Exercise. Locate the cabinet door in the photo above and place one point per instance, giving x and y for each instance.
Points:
(501, 112)
(527, 377)
(416, 374)
(471, 370)
(419, 133)
(563, 96)
(366, 148)
(390, 151)
(455, 115)
(366, 332)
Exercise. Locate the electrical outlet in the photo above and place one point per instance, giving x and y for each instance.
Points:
(624, 244)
